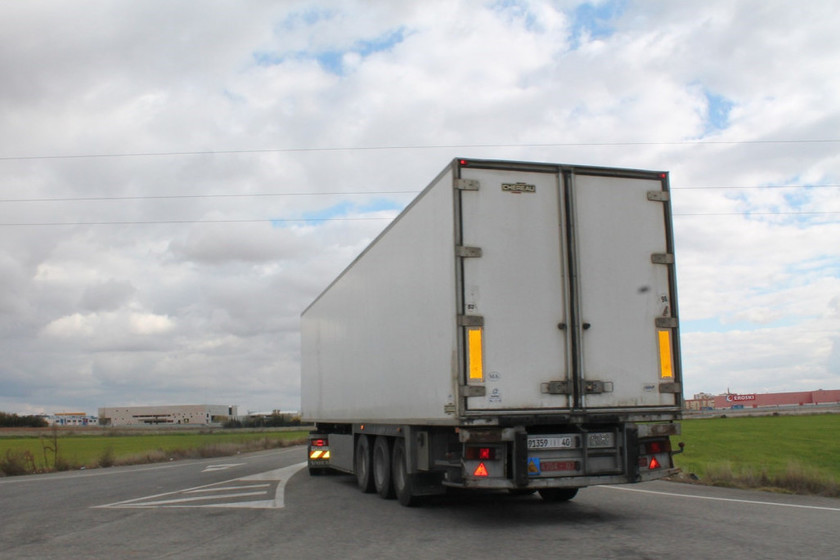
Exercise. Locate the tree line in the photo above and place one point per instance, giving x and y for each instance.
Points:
(11, 420)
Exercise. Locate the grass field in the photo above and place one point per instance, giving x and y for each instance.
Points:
(34, 453)
(787, 453)
(784, 453)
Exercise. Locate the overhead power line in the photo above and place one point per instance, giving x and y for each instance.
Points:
(190, 196)
(181, 222)
(380, 218)
(349, 193)
(420, 147)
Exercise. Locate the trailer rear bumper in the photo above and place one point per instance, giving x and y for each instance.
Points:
(561, 482)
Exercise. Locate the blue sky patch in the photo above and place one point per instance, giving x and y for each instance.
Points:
(332, 59)
(516, 10)
(718, 109)
(595, 20)
(345, 209)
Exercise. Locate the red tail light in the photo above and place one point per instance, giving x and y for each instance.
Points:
(320, 442)
(480, 453)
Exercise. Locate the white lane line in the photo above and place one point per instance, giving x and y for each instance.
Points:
(281, 476)
(248, 487)
(193, 499)
(711, 498)
(213, 468)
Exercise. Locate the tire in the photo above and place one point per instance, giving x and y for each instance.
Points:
(363, 463)
(382, 468)
(558, 494)
(402, 481)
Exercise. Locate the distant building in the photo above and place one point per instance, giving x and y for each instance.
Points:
(737, 401)
(77, 419)
(167, 415)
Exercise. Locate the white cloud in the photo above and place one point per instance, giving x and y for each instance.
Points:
(159, 307)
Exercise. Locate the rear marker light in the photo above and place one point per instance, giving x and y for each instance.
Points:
(481, 453)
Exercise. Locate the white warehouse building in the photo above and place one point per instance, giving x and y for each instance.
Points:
(169, 415)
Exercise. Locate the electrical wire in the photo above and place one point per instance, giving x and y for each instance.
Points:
(420, 147)
(348, 193)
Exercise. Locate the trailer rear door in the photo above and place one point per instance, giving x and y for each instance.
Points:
(569, 302)
(624, 292)
(516, 289)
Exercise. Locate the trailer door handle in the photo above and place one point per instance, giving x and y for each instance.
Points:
(586, 326)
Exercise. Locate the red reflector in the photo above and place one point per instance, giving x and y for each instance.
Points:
(481, 470)
(318, 443)
(654, 464)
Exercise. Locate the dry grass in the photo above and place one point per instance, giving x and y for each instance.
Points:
(796, 478)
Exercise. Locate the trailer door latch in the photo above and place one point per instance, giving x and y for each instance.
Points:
(597, 387)
(556, 388)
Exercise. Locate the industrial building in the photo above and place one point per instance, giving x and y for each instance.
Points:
(734, 401)
(75, 419)
(167, 415)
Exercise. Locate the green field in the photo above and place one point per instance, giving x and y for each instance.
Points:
(788, 453)
(75, 450)
(784, 453)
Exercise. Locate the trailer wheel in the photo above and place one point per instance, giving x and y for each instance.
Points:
(382, 468)
(403, 482)
(558, 494)
(363, 463)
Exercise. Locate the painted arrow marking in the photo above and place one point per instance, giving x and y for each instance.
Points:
(227, 494)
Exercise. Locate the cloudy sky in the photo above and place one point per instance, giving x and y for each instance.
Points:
(179, 180)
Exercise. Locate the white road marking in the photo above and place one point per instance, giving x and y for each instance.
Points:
(695, 497)
(222, 494)
(226, 488)
(213, 468)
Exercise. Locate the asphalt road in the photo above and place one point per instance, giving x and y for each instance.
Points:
(263, 505)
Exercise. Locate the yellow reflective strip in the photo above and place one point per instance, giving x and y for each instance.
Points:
(315, 454)
(474, 354)
(666, 369)
(326, 455)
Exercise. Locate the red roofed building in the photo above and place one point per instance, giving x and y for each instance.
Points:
(761, 400)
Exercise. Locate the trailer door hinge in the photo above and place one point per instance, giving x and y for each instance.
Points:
(465, 184)
(658, 196)
(670, 387)
(666, 323)
(556, 388)
(467, 252)
(473, 390)
(470, 321)
(662, 258)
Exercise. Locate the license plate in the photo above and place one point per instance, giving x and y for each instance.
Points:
(551, 442)
(554, 466)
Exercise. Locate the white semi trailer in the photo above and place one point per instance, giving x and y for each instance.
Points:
(515, 327)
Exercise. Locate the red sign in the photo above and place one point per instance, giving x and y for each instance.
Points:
(739, 398)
